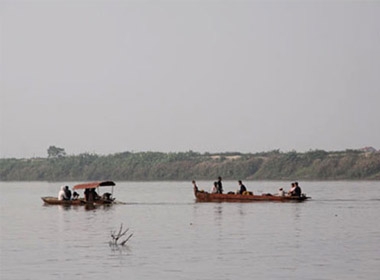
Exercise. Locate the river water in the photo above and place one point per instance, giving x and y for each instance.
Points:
(336, 235)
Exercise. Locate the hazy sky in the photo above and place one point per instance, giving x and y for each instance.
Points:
(209, 76)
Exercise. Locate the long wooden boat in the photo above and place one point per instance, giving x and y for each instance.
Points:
(104, 199)
(202, 196)
(54, 201)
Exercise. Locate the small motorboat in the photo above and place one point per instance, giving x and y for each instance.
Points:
(91, 196)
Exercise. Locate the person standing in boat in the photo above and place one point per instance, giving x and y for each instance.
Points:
(220, 187)
(195, 185)
(242, 187)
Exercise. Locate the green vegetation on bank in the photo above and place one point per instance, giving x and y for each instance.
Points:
(149, 166)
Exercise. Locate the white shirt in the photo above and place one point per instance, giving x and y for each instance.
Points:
(213, 189)
(292, 189)
(62, 194)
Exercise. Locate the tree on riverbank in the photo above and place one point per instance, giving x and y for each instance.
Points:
(55, 152)
(149, 166)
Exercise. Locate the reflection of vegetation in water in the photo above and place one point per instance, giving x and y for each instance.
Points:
(144, 166)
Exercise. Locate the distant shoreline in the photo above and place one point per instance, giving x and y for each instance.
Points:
(317, 165)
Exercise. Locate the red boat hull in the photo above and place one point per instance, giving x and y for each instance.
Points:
(202, 196)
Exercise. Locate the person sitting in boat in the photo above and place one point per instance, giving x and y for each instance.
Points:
(242, 188)
(86, 194)
(214, 188)
(295, 190)
(107, 196)
(292, 188)
(91, 195)
(75, 195)
(62, 194)
(281, 192)
(220, 187)
(67, 193)
(95, 194)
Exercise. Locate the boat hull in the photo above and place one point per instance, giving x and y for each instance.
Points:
(202, 196)
(54, 201)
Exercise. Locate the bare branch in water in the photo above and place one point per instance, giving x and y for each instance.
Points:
(125, 241)
(115, 237)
